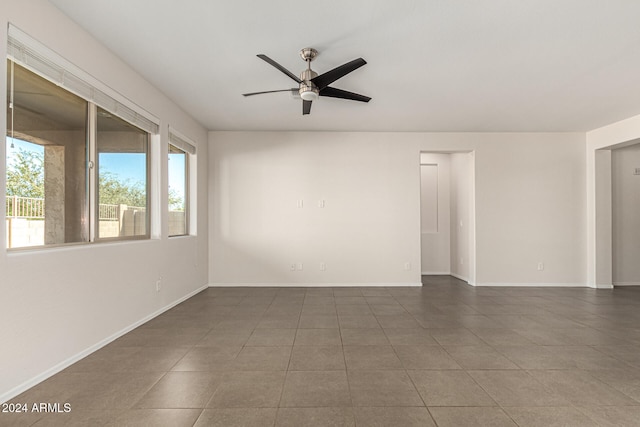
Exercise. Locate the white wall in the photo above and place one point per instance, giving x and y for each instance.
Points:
(461, 195)
(626, 215)
(529, 204)
(58, 303)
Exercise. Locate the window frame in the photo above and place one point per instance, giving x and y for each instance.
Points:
(187, 191)
(94, 169)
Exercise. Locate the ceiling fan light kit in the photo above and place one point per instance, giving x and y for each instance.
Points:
(311, 85)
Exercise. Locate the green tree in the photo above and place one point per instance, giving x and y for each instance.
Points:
(25, 174)
(176, 202)
(115, 191)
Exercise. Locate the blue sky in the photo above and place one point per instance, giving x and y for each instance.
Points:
(130, 167)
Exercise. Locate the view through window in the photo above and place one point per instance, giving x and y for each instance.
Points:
(48, 167)
(122, 177)
(45, 162)
(178, 212)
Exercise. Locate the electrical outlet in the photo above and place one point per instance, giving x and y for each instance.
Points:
(159, 284)
(321, 203)
(540, 266)
(293, 267)
(300, 266)
(407, 266)
(323, 266)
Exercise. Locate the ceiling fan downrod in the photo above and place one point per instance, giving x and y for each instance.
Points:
(308, 90)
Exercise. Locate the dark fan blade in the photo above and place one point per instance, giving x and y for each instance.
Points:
(306, 107)
(324, 80)
(343, 94)
(279, 67)
(293, 89)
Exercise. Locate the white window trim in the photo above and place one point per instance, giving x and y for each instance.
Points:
(180, 141)
(38, 58)
(186, 144)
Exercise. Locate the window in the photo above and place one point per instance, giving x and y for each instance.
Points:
(63, 154)
(45, 163)
(122, 178)
(181, 168)
(178, 191)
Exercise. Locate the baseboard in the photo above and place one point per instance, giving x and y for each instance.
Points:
(459, 277)
(601, 286)
(534, 285)
(307, 285)
(626, 284)
(436, 273)
(73, 359)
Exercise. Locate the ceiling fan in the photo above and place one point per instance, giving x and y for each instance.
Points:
(312, 85)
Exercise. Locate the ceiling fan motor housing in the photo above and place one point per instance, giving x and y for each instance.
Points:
(308, 90)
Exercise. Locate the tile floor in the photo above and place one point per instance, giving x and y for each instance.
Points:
(446, 354)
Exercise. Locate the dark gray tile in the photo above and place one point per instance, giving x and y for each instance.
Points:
(207, 359)
(409, 336)
(237, 417)
(353, 310)
(316, 389)
(517, 388)
(392, 321)
(261, 359)
(315, 417)
(279, 322)
(624, 380)
(318, 321)
(271, 337)
(78, 417)
(388, 310)
(318, 337)
(425, 357)
(371, 357)
(449, 388)
(383, 388)
(479, 357)
(394, 416)
(455, 336)
(550, 417)
(359, 336)
(248, 390)
(349, 321)
(471, 417)
(181, 390)
(317, 358)
(350, 300)
(154, 417)
(581, 388)
(101, 390)
(613, 416)
(501, 337)
(221, 338)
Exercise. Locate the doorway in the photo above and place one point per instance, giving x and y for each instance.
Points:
(447, 215)
(625, 222)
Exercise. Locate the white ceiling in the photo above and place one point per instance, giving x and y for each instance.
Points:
(433, 65)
